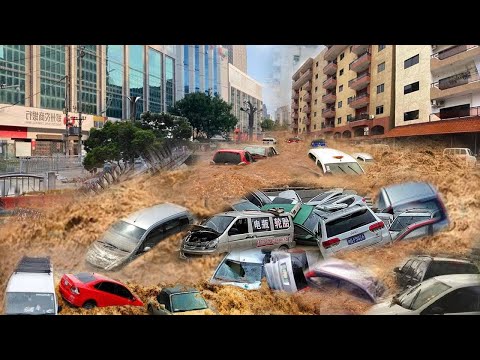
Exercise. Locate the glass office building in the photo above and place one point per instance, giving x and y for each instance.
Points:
(114, 80)
(155, 100)
(136, 75)
(12, 73)
(207, 72)
(52, 70)
(89, 79)
(186, 77)
(169, 82)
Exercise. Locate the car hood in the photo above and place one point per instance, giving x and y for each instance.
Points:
(105, 257)
(197, 228)
(386, 308)
(247, 286)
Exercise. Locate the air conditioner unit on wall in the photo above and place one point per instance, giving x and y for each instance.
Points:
(371, 117)
(437, 103)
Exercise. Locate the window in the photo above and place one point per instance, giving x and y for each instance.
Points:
(154, 237)
(438, 268)
(458, 301)
(411, 61)
(350, 222)
(206, 76)
(406, 268)
(339, 120)
(349, 117)
(351, 46)
(227, 157)
(315, 125)
(316, 76)
(316, 64)
(240, 227)
(197, 68)
(123, 292)
(342, 55)
(315, 114)
(301, 98)
(340, 88)
(381, 47)
(340, 73)
(114, 80)
(315, 102)
(169, 78)
(339, 105)
(316, 88)
(380, 88)
(407, 89)
(381, 67)
(155, 100)
(350, 99)
(106, 286)
(410, 115)
(419, 271)
(379, 110)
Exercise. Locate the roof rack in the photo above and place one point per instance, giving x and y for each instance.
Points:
(34, 265)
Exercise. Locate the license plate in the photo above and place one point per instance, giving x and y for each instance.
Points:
(355, 239)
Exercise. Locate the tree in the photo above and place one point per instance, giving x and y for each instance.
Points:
(267, 125)
(208, 115)
(165, 125)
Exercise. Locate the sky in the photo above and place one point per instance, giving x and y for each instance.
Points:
(259, 62)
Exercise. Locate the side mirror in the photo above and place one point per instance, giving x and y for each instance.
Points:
(397, 269)
(147, 248)
(60, 307)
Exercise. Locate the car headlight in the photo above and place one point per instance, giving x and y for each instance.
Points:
(212, 244)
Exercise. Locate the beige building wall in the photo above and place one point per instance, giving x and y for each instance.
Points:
(418, 100)
(240, 57)
(385, 77)
(318, 78)
(342, 96)
(302, 128)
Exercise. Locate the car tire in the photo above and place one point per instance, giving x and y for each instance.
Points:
(283, 248)
(89, 305)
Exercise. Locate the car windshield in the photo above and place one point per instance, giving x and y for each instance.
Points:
(188, 302)
(26, 303)
(312, 222)
(227, 158)
(245, 205)
(368, 160)
(344, 168)
(257, 150)
(218, 223)
(123, 236)
(401, 222)
(415, 297)
(236, 271)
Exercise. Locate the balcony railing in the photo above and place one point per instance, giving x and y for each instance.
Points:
(331, 82)
(359, 101)
(294, 105)
(456, 80)
(295, 95)
(456, 114)
(333, 51)
(307, 109)
(328, 125)
(444, 54)
(328, 112)
(359, 117)
(330, 68)
(359, 49)
(329, 98)
(308, 121)
(360, 82)
(362, 63)
(307, 86)
(307, 97)
(295, 115)
(307, 75)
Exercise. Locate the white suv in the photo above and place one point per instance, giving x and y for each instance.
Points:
(352, 228)
(31, 288)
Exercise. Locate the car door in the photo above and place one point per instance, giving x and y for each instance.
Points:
(463, 301)
(239, 236)
(264, 237)
(417, 233)
(402, 274)
(107, 294)
(418, 273)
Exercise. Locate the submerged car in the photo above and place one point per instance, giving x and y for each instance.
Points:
(329, 195)
(179, 300)
(341, 274)
(318, 143)
(242, 205)
(89, 290)
(415, 223)
(137, 234)
(423, 267)
(463, 154)
(232, 157)
(335, 162)
(441, 295)
(258, 198)
(293, 140)
(261, 152)
(363, 157)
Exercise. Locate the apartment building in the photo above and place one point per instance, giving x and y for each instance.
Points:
(282, 115)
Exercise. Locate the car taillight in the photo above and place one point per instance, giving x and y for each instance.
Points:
(329, 243)
(75, 290)
(364, 200)
(376, 226)
(65, 282)
(310, 274)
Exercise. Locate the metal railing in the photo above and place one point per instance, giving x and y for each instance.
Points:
(37, 165)
(358, 78)
(359, 117)
(18, 184)
(462, 78)
(455, 114)
(359, 59)
(330, 78)
(444, 54)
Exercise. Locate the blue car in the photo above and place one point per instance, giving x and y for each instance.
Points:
(318, 143)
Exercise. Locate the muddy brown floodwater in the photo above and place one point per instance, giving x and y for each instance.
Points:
(68, 228)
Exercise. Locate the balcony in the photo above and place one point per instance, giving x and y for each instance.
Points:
(295, 125)
(360, 82)
(295, 115)
(359, 101)
(307, 65)
(294, 105)
(308, 121)
(333, 51)
(359, 120)
(458, 55)
(295, 95)
(457, 85)
(362, 63)
(306, 76)
(307, 86)
(359, 49)
(328, 112)
(330, 68)
(329, 98)
(307, 97)
(328, 126)
(330, 83)
(456, 114)
(307, 109)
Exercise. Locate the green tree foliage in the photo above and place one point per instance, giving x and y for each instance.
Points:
(208, 115)
(165, 125)
(267, 125)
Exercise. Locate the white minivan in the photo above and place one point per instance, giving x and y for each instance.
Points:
(335, 162)
(461, 153)
(269, 141)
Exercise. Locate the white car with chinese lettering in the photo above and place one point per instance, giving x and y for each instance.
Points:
(241, 230)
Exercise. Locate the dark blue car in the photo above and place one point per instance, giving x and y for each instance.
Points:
(318, 143)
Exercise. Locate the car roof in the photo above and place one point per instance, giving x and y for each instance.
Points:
(230, 151)
(31, 282)
(247, 213)
(302, 215)
(326, 156)
(412, 212)
(445, 259)
(268, 138)
(362, 154)
(249, 256)
(460, 280)
(147, 217)
(258, 146)
(98, 276)
(179, 289)
(332, 215)
(400, 193)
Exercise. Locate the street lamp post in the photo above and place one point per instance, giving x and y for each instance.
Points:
(81, 54)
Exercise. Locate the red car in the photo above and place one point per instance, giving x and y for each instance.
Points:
(233, 157)
(88, 290)
(293, 140)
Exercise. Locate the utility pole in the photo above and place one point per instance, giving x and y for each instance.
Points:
(81, 54)
(67, 107)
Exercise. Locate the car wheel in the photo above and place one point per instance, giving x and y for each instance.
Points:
(89, 305)
(283, 248)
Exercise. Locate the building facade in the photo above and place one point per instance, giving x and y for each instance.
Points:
(40, 81)
(282, 115)
(244, 88)
(237, 56)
